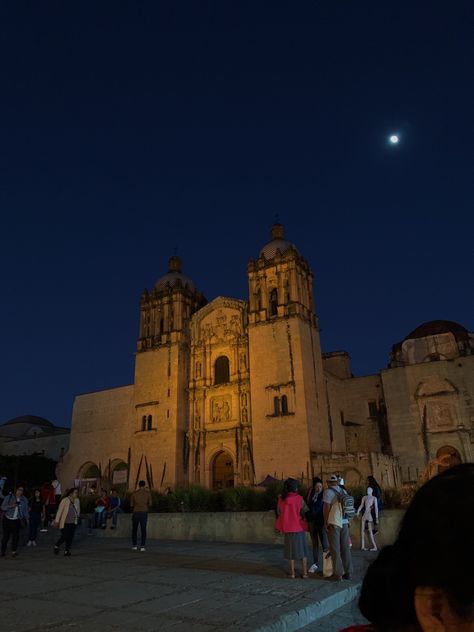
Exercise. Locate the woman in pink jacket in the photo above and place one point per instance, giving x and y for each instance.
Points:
(290, 510)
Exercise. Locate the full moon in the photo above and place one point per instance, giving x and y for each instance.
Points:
(394, 139)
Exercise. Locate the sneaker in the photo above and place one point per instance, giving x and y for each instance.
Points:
(134, 548)
(313, 568)
(29, 543)
(142, 549)
(33, 542)
(43, 530)
(14, 554)
(56, 549)
(67, 553)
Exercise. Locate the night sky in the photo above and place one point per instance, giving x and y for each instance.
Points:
(131, 128)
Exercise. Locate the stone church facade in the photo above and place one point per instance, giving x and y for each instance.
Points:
(230, 391)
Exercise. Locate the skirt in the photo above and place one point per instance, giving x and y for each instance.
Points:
(295, 546)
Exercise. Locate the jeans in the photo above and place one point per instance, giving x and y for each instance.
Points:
(340, 550)
(35, 521)
(67, 534)
(100, 519)
(10, 528)
(139, 518)
(317, 530)
(114, 515)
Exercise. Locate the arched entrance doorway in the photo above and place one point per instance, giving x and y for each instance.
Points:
(447, 457)
(223, 471)
(88, 479)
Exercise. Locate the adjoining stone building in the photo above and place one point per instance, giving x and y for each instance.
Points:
(230, 391)
(30, 434)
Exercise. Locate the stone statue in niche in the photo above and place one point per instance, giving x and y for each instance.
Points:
(243, 361)
(226, 411)
(244, 400)
(216, 412)
(198, 369)
(244, 416)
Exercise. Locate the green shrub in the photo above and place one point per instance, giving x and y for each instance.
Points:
(87, 503)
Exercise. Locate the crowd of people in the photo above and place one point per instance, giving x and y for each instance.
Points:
(420, 583)
(47, 507)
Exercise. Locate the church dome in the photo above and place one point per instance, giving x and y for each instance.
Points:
(437, 327)
(278, 242)
(174, 276)
(29, 419)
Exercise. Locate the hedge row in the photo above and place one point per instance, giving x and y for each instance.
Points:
(197, 498)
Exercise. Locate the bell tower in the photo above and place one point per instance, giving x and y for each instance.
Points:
(161, 378)
(289, 409)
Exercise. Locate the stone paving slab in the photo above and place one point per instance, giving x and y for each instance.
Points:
(172, 586)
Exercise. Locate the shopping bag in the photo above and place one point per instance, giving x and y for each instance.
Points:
(327, 564)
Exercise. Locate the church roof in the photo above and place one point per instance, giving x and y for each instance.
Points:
(277, 242)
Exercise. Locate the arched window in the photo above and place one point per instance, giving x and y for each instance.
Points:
(143, 423)
(274, 302)
(276, 406)
(221, 370)
(284, 405)
(149, 422)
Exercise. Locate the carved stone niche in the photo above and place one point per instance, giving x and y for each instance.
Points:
(221, 409)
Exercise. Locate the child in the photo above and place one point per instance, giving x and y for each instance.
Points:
(290, 510)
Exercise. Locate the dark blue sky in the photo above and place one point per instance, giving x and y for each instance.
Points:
(129, 128)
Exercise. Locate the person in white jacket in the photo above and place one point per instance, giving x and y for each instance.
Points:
(67, 519)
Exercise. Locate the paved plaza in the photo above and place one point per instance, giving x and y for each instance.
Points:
(173, 586)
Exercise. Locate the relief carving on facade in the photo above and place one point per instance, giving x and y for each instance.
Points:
(439, 416)
(220, 409)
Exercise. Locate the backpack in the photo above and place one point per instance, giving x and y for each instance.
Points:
(347, 504)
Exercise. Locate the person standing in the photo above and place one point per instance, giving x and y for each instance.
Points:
(337, 527)
(290, 522)
(140, 502)
(49, 500)
(367, 505)
(67, 519)
(36, 515)
(377, 492)
(15, 507)
(315, 518)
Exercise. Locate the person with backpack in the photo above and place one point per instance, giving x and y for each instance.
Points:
(290, 521)
(368, 505)
(338, 505)
(15, 508)
(315, 519)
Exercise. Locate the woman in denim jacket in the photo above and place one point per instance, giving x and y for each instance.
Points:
(15, 506)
